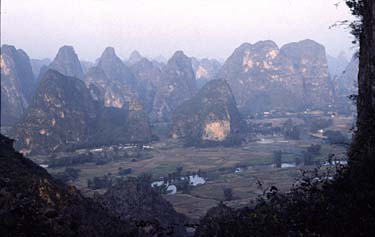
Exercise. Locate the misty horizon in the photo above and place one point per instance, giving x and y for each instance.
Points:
(199, 29)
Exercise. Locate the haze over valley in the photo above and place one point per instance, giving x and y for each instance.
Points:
(150, 144)
(137, 115)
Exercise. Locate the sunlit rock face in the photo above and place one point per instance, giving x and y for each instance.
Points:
(216, 130)
(310, 63)
(17, 83)
(67, 63)
(96, 76)
(205, 70)
(176, 86)
(210, 117)
(264, 77)
(62, 112)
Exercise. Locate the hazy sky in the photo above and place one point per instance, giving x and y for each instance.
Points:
(202, 28)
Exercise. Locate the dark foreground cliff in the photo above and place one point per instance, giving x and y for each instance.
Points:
(134, 200)
(32, 203)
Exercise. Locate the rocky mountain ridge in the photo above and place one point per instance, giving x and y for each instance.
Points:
(17, 84)
(177, 86)
(264, 77)
(67, 63)
(115, 80)
(65, 113)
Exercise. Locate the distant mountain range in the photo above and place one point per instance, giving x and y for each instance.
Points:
(52, 105)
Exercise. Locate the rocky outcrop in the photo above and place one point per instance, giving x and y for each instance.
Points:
(264, 77)
(35, 204)
(17, 83)
(163, 87)
(149, 78)
(62, 112)
(120, 90)
(67, 63)
(205, 70)
(177, 85)
(65, 114)
(310, 63)
(209, 118)
(115, 80)
(135, 199)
